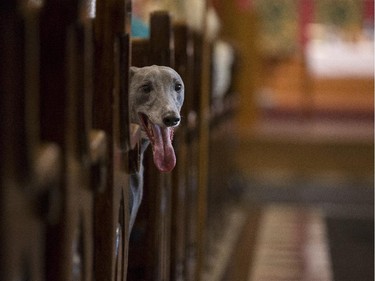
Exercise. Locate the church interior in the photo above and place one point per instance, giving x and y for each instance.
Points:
(274, 177)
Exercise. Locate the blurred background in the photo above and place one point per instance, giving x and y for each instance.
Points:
(296, 152)
(305, 128)
(304, 80)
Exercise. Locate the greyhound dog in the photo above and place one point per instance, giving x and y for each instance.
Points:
(156, 96)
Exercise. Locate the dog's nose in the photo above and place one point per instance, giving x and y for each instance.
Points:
(171, 120)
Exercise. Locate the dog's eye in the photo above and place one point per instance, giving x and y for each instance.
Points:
(147, 88)
(177, 87)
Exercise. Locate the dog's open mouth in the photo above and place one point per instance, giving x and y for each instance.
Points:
(161, 141)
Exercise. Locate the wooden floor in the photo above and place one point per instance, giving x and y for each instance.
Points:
(281, 242)
(242, 256)
(291, 245)
(285, 242)
(309, 208)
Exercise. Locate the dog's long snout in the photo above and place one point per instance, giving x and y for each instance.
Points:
(171, 120)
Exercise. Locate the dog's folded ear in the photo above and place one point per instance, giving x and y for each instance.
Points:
(133, 70)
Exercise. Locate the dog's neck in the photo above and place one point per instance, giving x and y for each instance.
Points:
(144, 144)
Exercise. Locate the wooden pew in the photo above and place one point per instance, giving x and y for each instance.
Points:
(69, 148)
(66, 141)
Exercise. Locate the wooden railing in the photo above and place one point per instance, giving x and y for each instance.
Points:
(68, 149)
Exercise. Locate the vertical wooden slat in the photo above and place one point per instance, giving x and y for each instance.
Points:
(25, 185)
(161, 40)
(204, 129)
(192, 173)
(121, 141)
(124, 49)
(13, 171)
(179, 180)
(12, 89)
(66, 95)
(105, 222)
(140, 55)
(161, 53)
(141, 244)
(111, 33)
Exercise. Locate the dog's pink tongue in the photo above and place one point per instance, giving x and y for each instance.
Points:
(164, 156)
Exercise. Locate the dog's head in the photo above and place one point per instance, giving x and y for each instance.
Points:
(156, 95)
